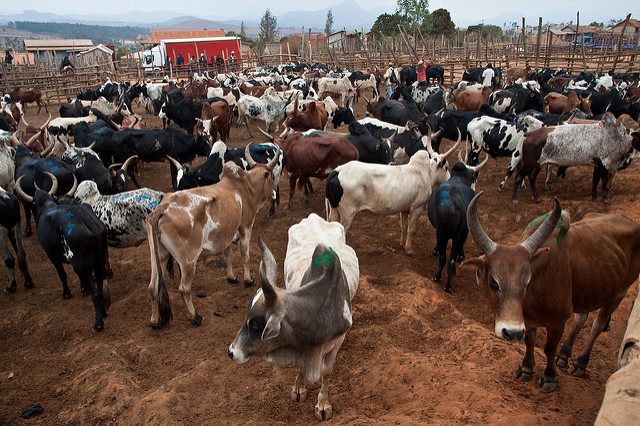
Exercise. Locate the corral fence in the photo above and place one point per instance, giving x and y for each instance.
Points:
(619, 52)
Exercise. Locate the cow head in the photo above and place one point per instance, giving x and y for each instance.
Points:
(278, 325)
(344, 114)
(505, 271)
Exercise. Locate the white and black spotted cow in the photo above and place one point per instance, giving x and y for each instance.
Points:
(268, 108)
(499, 138)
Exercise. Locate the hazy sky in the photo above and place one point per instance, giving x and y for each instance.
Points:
(461, 10)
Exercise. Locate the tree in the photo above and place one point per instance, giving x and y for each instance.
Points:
(414, 12)
(387, 24)
(243, 30)
(268, 27)
(328, 27)
(442, 23)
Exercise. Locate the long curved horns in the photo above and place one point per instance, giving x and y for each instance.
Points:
(21, 193)
(173, 161)
(48, 149)
(271, 164)
(266, 134)
(266, 277)
(247, 156)
(73, 188)
(46, 122)
(127, 163)
(453, 148)
(535, 240)
(479, 236)
(429, 147)
(481, 165)
(32, 139)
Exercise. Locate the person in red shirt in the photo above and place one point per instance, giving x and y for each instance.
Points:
(420, 71)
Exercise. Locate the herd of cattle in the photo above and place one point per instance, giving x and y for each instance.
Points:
(72, 173)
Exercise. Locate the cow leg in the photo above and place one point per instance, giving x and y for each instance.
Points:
(411, 226)
(602, 320)
(228, 258)
(292, 191)
(245, 239)
(524, 371)
(188, 272)
(323, 410)
(9, 260)
(548, 178)
(548, 382)
(404, 220)
(520, 174)
(456, 252)
(16, 241)
(27, 217)
(533, 175)
(604, 175)
(83, 270)
(157, 271)
(512, 166)
(441, 249)
(62, 274)
(562, 359)
(299, 390)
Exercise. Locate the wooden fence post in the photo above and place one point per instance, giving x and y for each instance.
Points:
(624, 28)
(538, 41)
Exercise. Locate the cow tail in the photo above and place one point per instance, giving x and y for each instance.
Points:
(164, 306)
(333, 193)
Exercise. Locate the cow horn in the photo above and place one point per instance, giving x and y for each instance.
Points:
(295, 105)
(437, 134)
(74, 187)
(481, 165)
(113, 125)
(135, 121)
(479, 236)
(112, 169)
(46, 123)
(365, 98)
(429, 147)
(21, 193)
(129, 161)
(32, 139)
(14, 138)
(537, 239)
(270, 265)
(272, 164)
(248, 157)
(453, 148)
(173, 161)
(54, 183)
(589, 97)
(47, 150)
(460, 160)
(512, 110)
(266, 134)
(93, 144)
(63, 143)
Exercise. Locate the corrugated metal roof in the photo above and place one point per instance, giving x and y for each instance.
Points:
(156, 36)
(59, 44)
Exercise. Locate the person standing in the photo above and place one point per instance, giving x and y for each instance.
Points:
(487, 76)
(8, 59)
(180, 59)
(421, 70)
(387, 79)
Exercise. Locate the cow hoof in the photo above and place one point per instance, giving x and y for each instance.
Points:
(435, 252)
(607, 200)
(155, 325)
(562, 361)
(410, 252)
(500, 188)
(523, 373)
(233, 280)
(537, 199)
(448, 289)
(98, 327)
(66, 295)
(576, 370)
(11, 289)
(250, 283)
(299, 395)
(197, 320)
(27, 233)
(29, 284)
(436, 278)
(323, 411)
(462, 258)
(109, 272)
(547, 385)
(84, 291)
(547, 187)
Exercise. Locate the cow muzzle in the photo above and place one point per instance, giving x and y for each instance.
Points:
(509, 330)
(237, 355)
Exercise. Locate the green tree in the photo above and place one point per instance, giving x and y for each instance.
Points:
(328, 27)
(414, 12)
(596, 24)
(268, 27)
(387, 24)
(243, 30)
(442, 23)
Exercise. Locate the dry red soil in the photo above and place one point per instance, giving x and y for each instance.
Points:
(415, 354)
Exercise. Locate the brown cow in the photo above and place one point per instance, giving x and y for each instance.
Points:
(205, 219)
(561, 104)
(517, 73)
(585, 266)
(313, 117)
(214, 121)
(470, 100)
(256, 91)
(14, 115)
(29, 96)
(306, 157)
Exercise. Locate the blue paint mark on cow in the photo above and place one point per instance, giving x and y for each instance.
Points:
(68, 228)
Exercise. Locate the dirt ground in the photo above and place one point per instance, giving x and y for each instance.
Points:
(415, 354)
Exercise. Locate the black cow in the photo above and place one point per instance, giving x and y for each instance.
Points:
(74, 234)
(399, 112)
(408, 76)
(436, 73)
(85, 134)
(156, 145)
(343, 114)
(185, 112)
(10, 229)
(517, 98)
(32, 170)
(434, 103)
(74, 109)
(447, 211)
(474, 74)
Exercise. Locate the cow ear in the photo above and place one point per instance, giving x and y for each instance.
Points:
(323, 262)
(272, 328)
(480, 263)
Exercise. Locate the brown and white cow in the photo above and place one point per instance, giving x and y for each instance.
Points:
(205, 219)
(313, 117)
(336, 86)
(305, 323)
(470, 100)
(29, 96)
(561, 104)
(540, 282)
(214, 121)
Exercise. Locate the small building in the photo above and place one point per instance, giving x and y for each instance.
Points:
(55, 50)
(245, 49)
(100, 56)
(349, 41)
(633, 27)
(156, 36)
